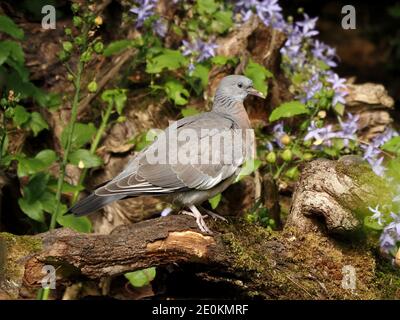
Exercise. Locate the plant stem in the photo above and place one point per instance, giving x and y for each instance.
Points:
(74, 113)
(94, 146)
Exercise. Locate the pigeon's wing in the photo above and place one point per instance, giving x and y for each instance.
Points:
(203, 166)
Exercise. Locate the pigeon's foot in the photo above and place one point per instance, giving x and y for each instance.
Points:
(199, 219)
(214, 215)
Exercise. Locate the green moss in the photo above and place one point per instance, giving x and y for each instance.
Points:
(12, 250)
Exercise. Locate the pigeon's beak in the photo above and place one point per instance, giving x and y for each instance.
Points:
(254, 92)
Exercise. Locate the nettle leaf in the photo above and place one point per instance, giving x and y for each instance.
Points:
(36, 123)
(141, 278)
(190, 111)
(28, 166)
(248, 168)
(258, 74)
(222, 21)
(206, 6)
(118, 46)
(214, 201)
(8, 26)
(20, 115)
(393, 145)
(83, 134)
(176, 92)
(84, 159)
(168, 59)
(287, 110)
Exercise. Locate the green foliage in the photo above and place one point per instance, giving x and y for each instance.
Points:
(80, 224)
(287, 110)
(393, 145)
(167, 59)
(258, 74)
(176, 92)
(189, 111)
(9, 27)
(199, 78)
(83, 134)
(118, 46)
(214, 201)
(248, 168)
(116, 96)
(29, 166)
(141, 278)
(84, 159)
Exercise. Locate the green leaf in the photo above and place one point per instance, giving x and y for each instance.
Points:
(31, 203)
(83, 134)
(222, 21)
(37, 123)
(117, 96)
(393, 145)
(339, 109)
(258, 74)
(287, 110)
(80, 224)
(36, 186)
(141, 278)
(168, 59)
(201, 72)
(20, 115)
(14, 51)
(8, 26)
(190, 111)
(292, 173)
(116, 47)
(214, 201)
(223, 60)
(28, 166)
(176, 92)
(32, 210)
(248, 168)
(206, 6)
(84, 159)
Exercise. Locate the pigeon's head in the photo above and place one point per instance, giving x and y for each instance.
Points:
(237, 88)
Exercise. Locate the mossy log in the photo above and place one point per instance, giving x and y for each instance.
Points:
(301, 262)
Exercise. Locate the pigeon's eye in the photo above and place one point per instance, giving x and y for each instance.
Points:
(240, 85)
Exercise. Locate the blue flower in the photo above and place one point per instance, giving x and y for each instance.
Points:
(377, 215)
(390, 234)
(278, 133)
(349, 128)
(308, 26)
(144, 11)
(160, 27)
(202, 50)
(269, 12)
(321, 135)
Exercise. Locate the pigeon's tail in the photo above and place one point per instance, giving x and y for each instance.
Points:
(92, 203)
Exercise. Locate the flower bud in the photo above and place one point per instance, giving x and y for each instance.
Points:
(271, 157)
(287, 155)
